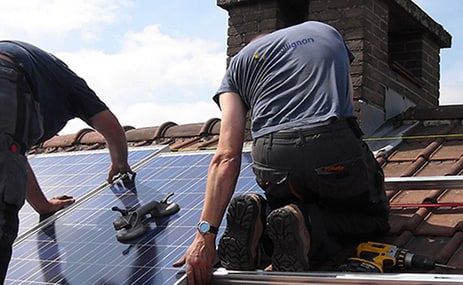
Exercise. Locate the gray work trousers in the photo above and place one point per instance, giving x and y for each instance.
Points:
(331, 174)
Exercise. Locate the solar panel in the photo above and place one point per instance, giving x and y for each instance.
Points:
(80, 246)
(74, 174)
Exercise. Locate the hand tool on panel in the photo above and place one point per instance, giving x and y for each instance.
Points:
(132, 223)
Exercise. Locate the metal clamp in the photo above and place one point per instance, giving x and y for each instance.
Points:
(131, 224)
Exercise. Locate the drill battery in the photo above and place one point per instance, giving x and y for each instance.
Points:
(357, 264)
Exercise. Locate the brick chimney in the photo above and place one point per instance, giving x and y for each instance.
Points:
(396, 45)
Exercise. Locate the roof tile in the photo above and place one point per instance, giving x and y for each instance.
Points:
(141, 135)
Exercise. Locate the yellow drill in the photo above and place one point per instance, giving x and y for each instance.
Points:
(389, 256)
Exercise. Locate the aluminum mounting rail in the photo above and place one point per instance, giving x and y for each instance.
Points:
(223, 277)
(423, 182)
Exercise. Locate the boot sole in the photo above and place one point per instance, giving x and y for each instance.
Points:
(234, 249)
(287, 234)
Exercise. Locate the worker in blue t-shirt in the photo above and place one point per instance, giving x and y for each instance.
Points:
(322, 185)
(39, 94)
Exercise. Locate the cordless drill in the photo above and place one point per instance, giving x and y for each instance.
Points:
(389, 257)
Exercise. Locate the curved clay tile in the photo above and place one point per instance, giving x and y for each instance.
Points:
(141, 134)
(211, 127)
(127, 128)
(184, 131)
(209, 143)
(91, 138)
(163, 129)
(60, 141)
(82, 132)
(184, 144)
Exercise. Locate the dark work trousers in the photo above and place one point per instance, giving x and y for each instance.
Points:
(331, 174)
(13, 164)
(13, 179)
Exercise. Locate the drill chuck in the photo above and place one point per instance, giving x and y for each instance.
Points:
(419, 261)
(406, 259)
(426, 262)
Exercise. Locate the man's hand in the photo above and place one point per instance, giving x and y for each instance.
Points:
(115, 170)
(55, 204)
(199, 259)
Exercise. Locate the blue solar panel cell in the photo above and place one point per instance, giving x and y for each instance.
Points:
(80, 247)
(73, 174)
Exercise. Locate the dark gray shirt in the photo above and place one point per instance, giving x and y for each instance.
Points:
(293, 77)
(61, 94)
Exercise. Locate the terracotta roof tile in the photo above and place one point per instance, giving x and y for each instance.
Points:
(60, 141)
(432, 148)
(141, 134)
(396, 168)
(91, 138)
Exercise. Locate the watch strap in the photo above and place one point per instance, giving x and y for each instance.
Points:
(213, 230)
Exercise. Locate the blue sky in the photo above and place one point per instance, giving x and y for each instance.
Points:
(154, 61)
(448, 13)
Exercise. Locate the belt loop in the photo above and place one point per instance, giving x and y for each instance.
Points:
(270, 141)
(301, 141)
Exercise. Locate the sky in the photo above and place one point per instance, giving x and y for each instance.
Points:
(153, 61)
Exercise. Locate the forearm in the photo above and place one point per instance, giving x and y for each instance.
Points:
(222, 177)
(117, 145)
(107, 124)
(34, 194)
(226, 163)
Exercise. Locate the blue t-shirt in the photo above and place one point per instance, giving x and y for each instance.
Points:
(291, 78)
(62, 95)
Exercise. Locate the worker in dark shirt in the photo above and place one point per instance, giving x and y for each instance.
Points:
(321, 182)
(39, 94)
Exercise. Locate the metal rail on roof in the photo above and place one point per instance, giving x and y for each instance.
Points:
(223, 277)
(423, 182)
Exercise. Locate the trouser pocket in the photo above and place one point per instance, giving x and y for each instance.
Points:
(273, 182)
(20, 115)
(344, 185)
(343, 179)
(13, 178)
(355, 185)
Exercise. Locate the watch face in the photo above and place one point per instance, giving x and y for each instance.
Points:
(203, 227)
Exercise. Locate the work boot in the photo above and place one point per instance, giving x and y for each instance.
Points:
(291, 239)
(245, 224)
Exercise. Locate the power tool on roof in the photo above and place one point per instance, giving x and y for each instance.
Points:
(389, 257)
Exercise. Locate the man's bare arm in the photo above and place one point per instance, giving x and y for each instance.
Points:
(107, 124)
(36, 198)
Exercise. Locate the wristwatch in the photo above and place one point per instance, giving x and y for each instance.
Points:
(204, 227)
